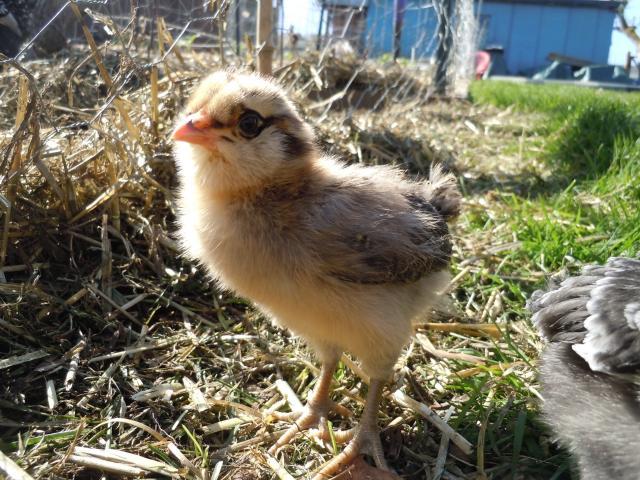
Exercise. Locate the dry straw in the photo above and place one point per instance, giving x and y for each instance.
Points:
(118, 352)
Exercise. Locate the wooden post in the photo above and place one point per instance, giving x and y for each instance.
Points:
(328, 23)
(265, 29)
(281, 31)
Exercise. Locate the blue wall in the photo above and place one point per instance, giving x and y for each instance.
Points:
(418, 32)
(527, 31)
(379, 31)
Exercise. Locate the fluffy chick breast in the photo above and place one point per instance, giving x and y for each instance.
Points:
(345, 256)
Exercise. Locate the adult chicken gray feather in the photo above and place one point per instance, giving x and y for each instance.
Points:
(590, 368)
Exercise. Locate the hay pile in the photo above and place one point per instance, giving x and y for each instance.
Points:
(109, 339)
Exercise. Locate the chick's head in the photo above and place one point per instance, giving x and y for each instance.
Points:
(240, 131)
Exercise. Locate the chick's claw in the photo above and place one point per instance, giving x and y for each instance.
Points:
(333, 407)
(365, 441)
(312, 417)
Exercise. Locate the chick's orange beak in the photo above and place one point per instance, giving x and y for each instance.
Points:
(196, 128)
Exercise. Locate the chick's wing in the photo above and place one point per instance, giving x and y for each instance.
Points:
(368, 237)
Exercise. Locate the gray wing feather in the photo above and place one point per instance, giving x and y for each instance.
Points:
(599, 313)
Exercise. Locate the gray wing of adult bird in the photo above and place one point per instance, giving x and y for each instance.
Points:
(597, 312)
(590, 367)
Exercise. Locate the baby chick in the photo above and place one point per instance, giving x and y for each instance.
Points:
(343, 256)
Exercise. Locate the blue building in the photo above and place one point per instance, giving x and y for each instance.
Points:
(527, 30)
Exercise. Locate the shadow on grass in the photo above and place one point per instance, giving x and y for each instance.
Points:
(585, 146)
(517, 443)
(384, 147)
(526, 185)
(582, 147)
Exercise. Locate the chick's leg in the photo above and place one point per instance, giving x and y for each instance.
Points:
(315, 412)
(365, 440)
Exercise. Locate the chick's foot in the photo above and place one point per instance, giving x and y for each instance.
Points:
(331, 406)
(314, 414)
(367, 441)
(366, 438)
(313, 417)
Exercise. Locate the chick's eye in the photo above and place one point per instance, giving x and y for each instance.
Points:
(250, 124)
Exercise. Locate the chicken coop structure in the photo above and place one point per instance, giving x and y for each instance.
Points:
(377, 27)
(530, 30)
(527, 30)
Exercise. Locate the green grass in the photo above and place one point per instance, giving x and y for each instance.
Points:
(568, 194)
(585, 127)
(582, 205)
(559, 100)
(590, 209)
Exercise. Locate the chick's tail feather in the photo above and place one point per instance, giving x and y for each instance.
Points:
(441, 190)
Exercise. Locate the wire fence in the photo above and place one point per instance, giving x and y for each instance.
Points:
(431, 43)
(89, 92)
(339, 54)
(115, 72)
(417, 32)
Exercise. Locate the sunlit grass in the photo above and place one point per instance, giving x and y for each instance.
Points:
(585, 208)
